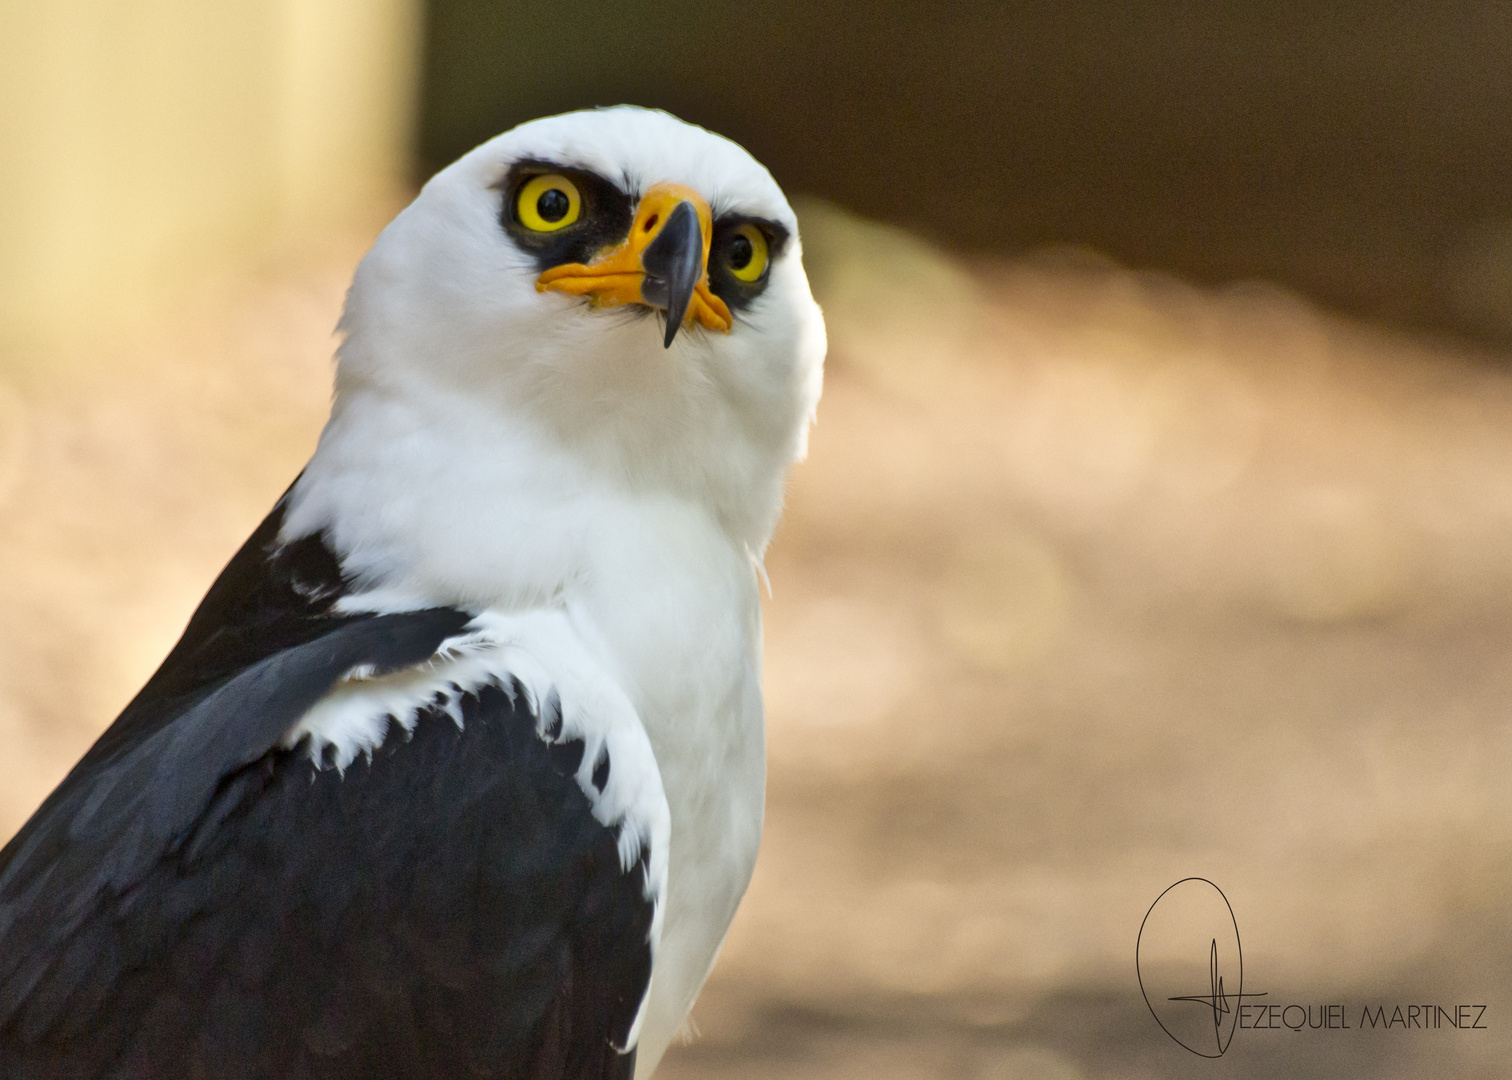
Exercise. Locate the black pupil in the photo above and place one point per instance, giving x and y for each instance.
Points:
(741, 253)
(553, 205)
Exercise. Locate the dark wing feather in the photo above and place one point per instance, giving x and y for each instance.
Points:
(195, 901)
(269, 598)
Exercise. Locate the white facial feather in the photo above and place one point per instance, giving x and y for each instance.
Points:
(445, 307)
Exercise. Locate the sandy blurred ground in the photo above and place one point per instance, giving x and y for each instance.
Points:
(1093, 582)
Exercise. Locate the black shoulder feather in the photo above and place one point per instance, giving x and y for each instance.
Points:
(197, 900)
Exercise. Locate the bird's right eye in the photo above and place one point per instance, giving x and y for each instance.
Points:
(548, 203)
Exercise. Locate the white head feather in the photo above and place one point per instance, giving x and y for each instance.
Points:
(461, 387)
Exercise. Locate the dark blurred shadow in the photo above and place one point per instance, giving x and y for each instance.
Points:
(1359, 152)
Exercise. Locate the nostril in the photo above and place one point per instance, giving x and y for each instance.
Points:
(651, 223)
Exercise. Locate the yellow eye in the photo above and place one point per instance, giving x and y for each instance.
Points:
(548, 203)
(748, 253)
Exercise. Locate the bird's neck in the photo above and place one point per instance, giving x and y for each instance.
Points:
(441, 500)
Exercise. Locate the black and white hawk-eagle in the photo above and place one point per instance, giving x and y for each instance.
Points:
(458, 768)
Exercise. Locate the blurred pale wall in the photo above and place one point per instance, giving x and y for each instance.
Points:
(143, 141)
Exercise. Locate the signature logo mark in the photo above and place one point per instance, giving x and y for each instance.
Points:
(1189, 940)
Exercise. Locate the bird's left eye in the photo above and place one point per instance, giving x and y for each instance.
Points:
(746, 253)
(548, 203)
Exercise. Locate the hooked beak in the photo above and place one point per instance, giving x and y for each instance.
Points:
(663, 263)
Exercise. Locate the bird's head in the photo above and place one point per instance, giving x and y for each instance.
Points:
(625, 284)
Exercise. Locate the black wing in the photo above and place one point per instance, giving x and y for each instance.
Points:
(195, 901)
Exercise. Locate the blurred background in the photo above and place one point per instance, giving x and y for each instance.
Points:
(1156, 523)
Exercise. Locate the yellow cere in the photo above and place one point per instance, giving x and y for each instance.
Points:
(748, 260)
(548, 203)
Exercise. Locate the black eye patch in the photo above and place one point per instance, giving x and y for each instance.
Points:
(604, 220)
(730, 252)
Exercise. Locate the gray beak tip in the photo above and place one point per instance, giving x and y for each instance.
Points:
(675, 261)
